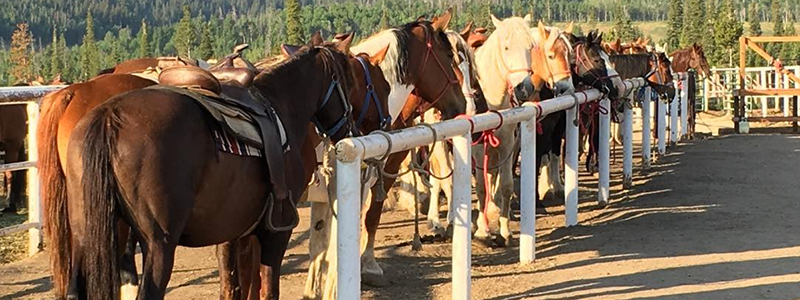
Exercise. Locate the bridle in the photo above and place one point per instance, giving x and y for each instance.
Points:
(550, 80)
(371, 96)
(514, 102)
(337, 87)
(581, 60)
(423, 107)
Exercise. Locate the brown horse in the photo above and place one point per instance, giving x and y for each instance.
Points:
(370, 112)
(13, 129)
(148, 157)
(61, 111)
(687, 59)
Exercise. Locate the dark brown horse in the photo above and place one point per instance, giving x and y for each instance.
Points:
(148, 157)
(61, 111)
(13, 129)
(684, 60)
(370, 112)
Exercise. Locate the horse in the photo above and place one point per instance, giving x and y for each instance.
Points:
(369, 103)
(171, 187)
(687, 59)
(61, 111)
(653, 67)
(13, 129)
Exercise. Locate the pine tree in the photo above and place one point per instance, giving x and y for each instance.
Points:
(294, 34)
(55, 56)
(384, 22)
(63, 55)
(185, 37)
(144, 43)
(727, 31)
(790, 52)
(675, 25)
(90, 56)
(777, 21)
(205, 50)
(754, 21)
(21, 41)
(692, 23)
(713, 53)
(577, 30)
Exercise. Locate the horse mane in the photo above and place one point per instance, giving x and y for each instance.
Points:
(274, 76)
(461, 45)
(395, 64)
(630, 65)
(561, 36)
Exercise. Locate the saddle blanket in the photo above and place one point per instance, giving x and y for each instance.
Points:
(230, 144)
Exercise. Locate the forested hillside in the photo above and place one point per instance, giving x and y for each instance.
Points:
(58, 42)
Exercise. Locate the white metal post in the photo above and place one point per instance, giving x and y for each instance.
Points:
(684, 108)
(571, 169)
(348, 212)
(604, 152)
(662, 128)
(673, 117)
(34, 203)
(706, 92)
(646, 132)
(627, 148)
(462, 219)
(527, 239)
(785, 98)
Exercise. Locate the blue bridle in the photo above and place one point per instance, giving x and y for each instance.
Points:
(335, 86)
(386, 121)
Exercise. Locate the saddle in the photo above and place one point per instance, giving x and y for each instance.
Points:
(227, 94)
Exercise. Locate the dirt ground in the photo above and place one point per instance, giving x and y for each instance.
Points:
(714, 219)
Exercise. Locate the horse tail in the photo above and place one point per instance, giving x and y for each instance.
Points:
(53, 188)
(101, 197)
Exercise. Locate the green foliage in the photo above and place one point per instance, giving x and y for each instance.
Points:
(185, 38)
(144, 49)
(693, 23)
(675, 26)
(20, 54)
(204, 50)
(623, 27)
(89, 54)
(727, 31)
(294, 35)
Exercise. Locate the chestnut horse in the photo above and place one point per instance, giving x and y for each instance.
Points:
(684, 60)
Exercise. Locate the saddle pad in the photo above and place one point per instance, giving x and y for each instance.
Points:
(230, 144)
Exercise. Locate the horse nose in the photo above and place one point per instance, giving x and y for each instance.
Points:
(564, 88)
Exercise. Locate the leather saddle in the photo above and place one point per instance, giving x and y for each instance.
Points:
(227, 93)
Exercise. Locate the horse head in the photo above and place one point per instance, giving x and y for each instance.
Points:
(550, 58)
(591, 66)
(698, 61)
(504, 61)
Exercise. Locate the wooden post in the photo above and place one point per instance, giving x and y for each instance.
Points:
(737, 99)
(794, 114)
(34, 207)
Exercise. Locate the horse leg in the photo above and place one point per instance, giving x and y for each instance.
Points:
(75, 288)
(15, 152)
(318, 244)
(157, 266)
(273, 248)
(482, 223)
(229, 288)
(127, 265)
(433, 208)
(506, 188)
(371, 272)
(249, 261)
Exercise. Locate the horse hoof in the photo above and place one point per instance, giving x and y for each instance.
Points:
(374, 280)
(485, 241)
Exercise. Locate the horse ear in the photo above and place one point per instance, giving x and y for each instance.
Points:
(542, 30)
(527, 18)
(424, 17)
(598, 39)
(316, 39)
(466, 31)
(378, 58)
(495, 21)
(572, 38)
(344, 45)
(289, 50)
(569, 27)
(440, 23)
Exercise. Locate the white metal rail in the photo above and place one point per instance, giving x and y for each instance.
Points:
(351, 152)
(28, 96)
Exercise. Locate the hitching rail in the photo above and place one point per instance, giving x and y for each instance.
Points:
(351, 152)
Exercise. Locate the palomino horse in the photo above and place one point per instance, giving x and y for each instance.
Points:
(504, 61)
(684, 60)
(148, 158)
(61, 111)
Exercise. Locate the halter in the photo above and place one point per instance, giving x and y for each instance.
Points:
(580, 59)
(551, 80)
(371, 95)
(334, 86)
(450, 81)
(509, 86)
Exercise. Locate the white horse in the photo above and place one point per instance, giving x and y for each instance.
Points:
(503, 62)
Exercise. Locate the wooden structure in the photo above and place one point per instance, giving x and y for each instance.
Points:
(746, 42)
